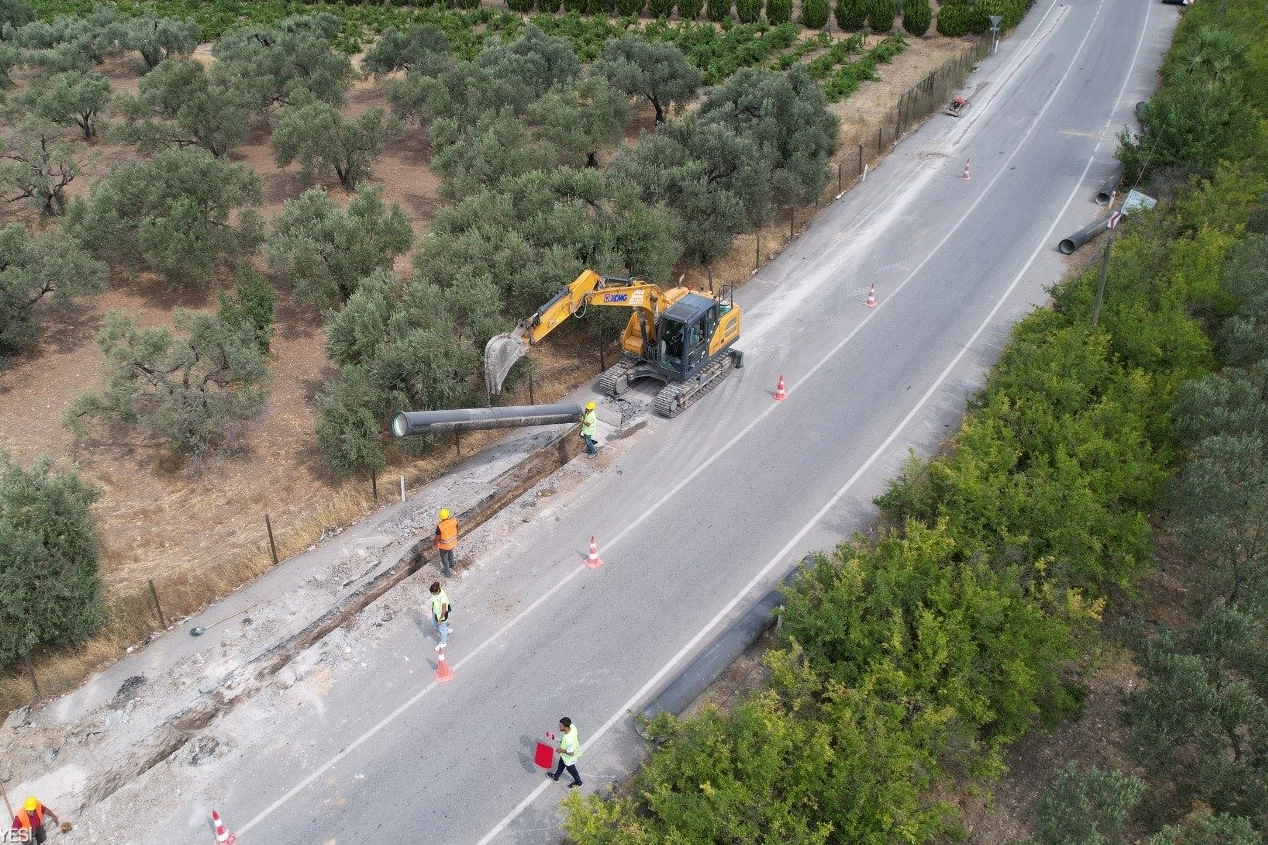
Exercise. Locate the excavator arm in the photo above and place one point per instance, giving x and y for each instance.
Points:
(589, 288)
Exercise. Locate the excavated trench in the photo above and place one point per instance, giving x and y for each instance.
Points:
(170, 737)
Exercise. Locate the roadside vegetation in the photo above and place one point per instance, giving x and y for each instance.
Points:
(909, 662)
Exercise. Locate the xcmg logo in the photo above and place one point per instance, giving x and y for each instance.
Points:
(615, 297)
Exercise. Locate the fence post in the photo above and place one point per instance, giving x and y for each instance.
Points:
(157, 606)
(374, 483)
(272, 546)
(35, 685)
(531, 400)
(860, 158)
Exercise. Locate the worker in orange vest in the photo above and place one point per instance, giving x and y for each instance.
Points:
(446, 541)
(31, 818)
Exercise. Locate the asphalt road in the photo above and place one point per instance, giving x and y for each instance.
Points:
(697, 516)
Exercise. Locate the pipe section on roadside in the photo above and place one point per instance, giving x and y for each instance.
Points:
(1082, 236)
(409, 423)
(1106, 192)
(725, 649)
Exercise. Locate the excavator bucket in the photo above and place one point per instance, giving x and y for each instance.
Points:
(500, 354)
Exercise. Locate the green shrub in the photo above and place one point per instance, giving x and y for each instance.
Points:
(880, 15)
(814, 13)
(851, 15)
(953, 20)
(917, 16)
(629, 8)
(748, 11)
(49, 590)
(718, 10)
(689, 10)
(778, 11)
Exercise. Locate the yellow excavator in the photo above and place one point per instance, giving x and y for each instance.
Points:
(679, 337)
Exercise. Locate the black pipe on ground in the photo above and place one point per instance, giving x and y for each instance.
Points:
(408, 423)
(1079, 238)
(1109, 186)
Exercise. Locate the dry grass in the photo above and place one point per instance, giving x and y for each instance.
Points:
(199, 536)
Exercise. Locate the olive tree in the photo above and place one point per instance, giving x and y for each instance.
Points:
(180, 214)
(36, 164)
(324, 141)
(286, 64)
(180, 104)
(411, 348)
(192, 386)
(49, 266)
(787, 116)
(157, 38)
(72, 98)
(656, 71)
(49, 554)
(15, 14)
(325, 251)
(423, 49)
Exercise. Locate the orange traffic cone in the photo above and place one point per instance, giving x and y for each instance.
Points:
(443, 672)
(593, 560)
(964, 177)
(222, 835)
(871, 296)
(780, 395)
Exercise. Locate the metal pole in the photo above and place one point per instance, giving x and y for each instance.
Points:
(272, 546)
(860, 158)
(374, 484)
(402, 488)
(531, 400)
(157, 606)
(757, 259)
(1100, 286)
(35, 684)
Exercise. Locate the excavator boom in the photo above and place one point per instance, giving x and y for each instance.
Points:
(589, 288)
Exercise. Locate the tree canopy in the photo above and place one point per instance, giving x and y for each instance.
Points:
(191, 386)
(326, 251)
(52, 265)
(653, 70)
(180, 214)
(49, 553)
(323, 141)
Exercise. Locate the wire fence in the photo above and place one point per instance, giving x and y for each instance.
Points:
(923, 99)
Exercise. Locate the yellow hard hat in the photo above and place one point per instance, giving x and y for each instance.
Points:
(444, 514)
(589, 406)
(32, 804)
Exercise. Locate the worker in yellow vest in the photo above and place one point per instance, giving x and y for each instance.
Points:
(446, 541)
(440, 613)
(569, 751)
(589, 422)
(31, 819)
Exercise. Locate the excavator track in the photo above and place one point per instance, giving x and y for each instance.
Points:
(674, 398)
(615, 379)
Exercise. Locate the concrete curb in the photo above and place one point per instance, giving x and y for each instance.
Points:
(724, 650)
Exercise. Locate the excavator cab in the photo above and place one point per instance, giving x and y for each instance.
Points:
(684, 333)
